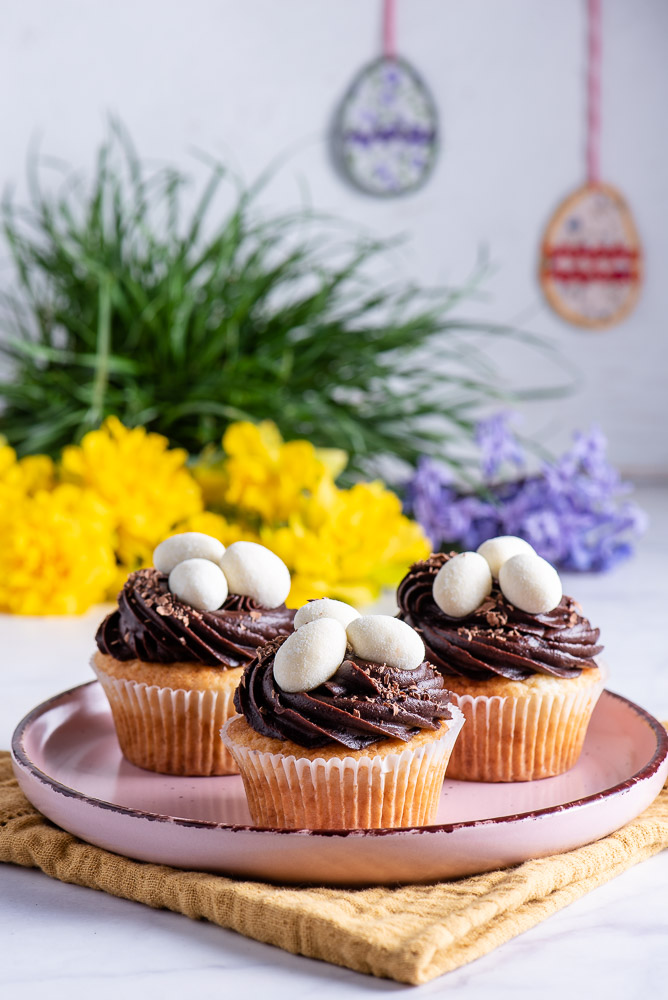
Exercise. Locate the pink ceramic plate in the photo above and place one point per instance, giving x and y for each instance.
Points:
(69, 765)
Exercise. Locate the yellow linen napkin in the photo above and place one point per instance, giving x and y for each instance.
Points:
(411, 934)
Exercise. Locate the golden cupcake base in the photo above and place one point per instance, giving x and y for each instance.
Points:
(168, 716)
(390, 784)
(522, 730)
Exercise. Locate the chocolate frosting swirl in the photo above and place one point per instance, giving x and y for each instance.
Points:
(497, 639)
(152, 625)
(361, 704)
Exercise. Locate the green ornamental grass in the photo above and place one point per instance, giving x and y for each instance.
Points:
(127, 304)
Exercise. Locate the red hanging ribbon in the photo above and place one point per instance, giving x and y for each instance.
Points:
(593, 90)
(389, 30)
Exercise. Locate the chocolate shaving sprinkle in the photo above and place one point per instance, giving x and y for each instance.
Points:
(497, 639)
(152, 625)
(342, 711)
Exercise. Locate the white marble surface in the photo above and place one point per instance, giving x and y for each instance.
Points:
(77, 942)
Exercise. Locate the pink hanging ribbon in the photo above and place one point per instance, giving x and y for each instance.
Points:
(389, 29)
(593, 90)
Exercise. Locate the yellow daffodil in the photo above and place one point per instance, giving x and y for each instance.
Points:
(69, 534)
(56, 552)
(19, 477)
(263, 476)
(348, 548)
(144, 483)
(336, 543)
(219, 527)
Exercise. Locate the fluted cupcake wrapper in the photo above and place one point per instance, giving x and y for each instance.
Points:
(391, 790)
(170, 730)
(537, 735)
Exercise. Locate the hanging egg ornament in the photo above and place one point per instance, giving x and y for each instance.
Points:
(385, 135)
(591, 260)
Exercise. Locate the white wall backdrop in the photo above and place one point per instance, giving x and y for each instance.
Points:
(249, 80)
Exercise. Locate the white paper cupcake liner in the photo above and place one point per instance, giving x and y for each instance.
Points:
(170, 730)
(393, 790)
(537, 735)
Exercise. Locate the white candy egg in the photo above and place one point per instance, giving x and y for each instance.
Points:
(200, 583)
(254, 571)
(326, 607)
(310, 656)
(189, 545)
(462, 584)
(530, 583)
(497, 550)
(383, 639)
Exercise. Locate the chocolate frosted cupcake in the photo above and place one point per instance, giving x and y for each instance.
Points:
(171, 655)
(526, 680)
(343, 730)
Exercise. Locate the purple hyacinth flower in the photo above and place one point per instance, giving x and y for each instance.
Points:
(572, 512)
(497, 445)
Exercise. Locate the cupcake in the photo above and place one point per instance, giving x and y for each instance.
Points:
(342, 725)
(516, 653)
(171, 655)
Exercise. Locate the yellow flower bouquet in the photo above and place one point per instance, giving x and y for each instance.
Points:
(70, 531)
